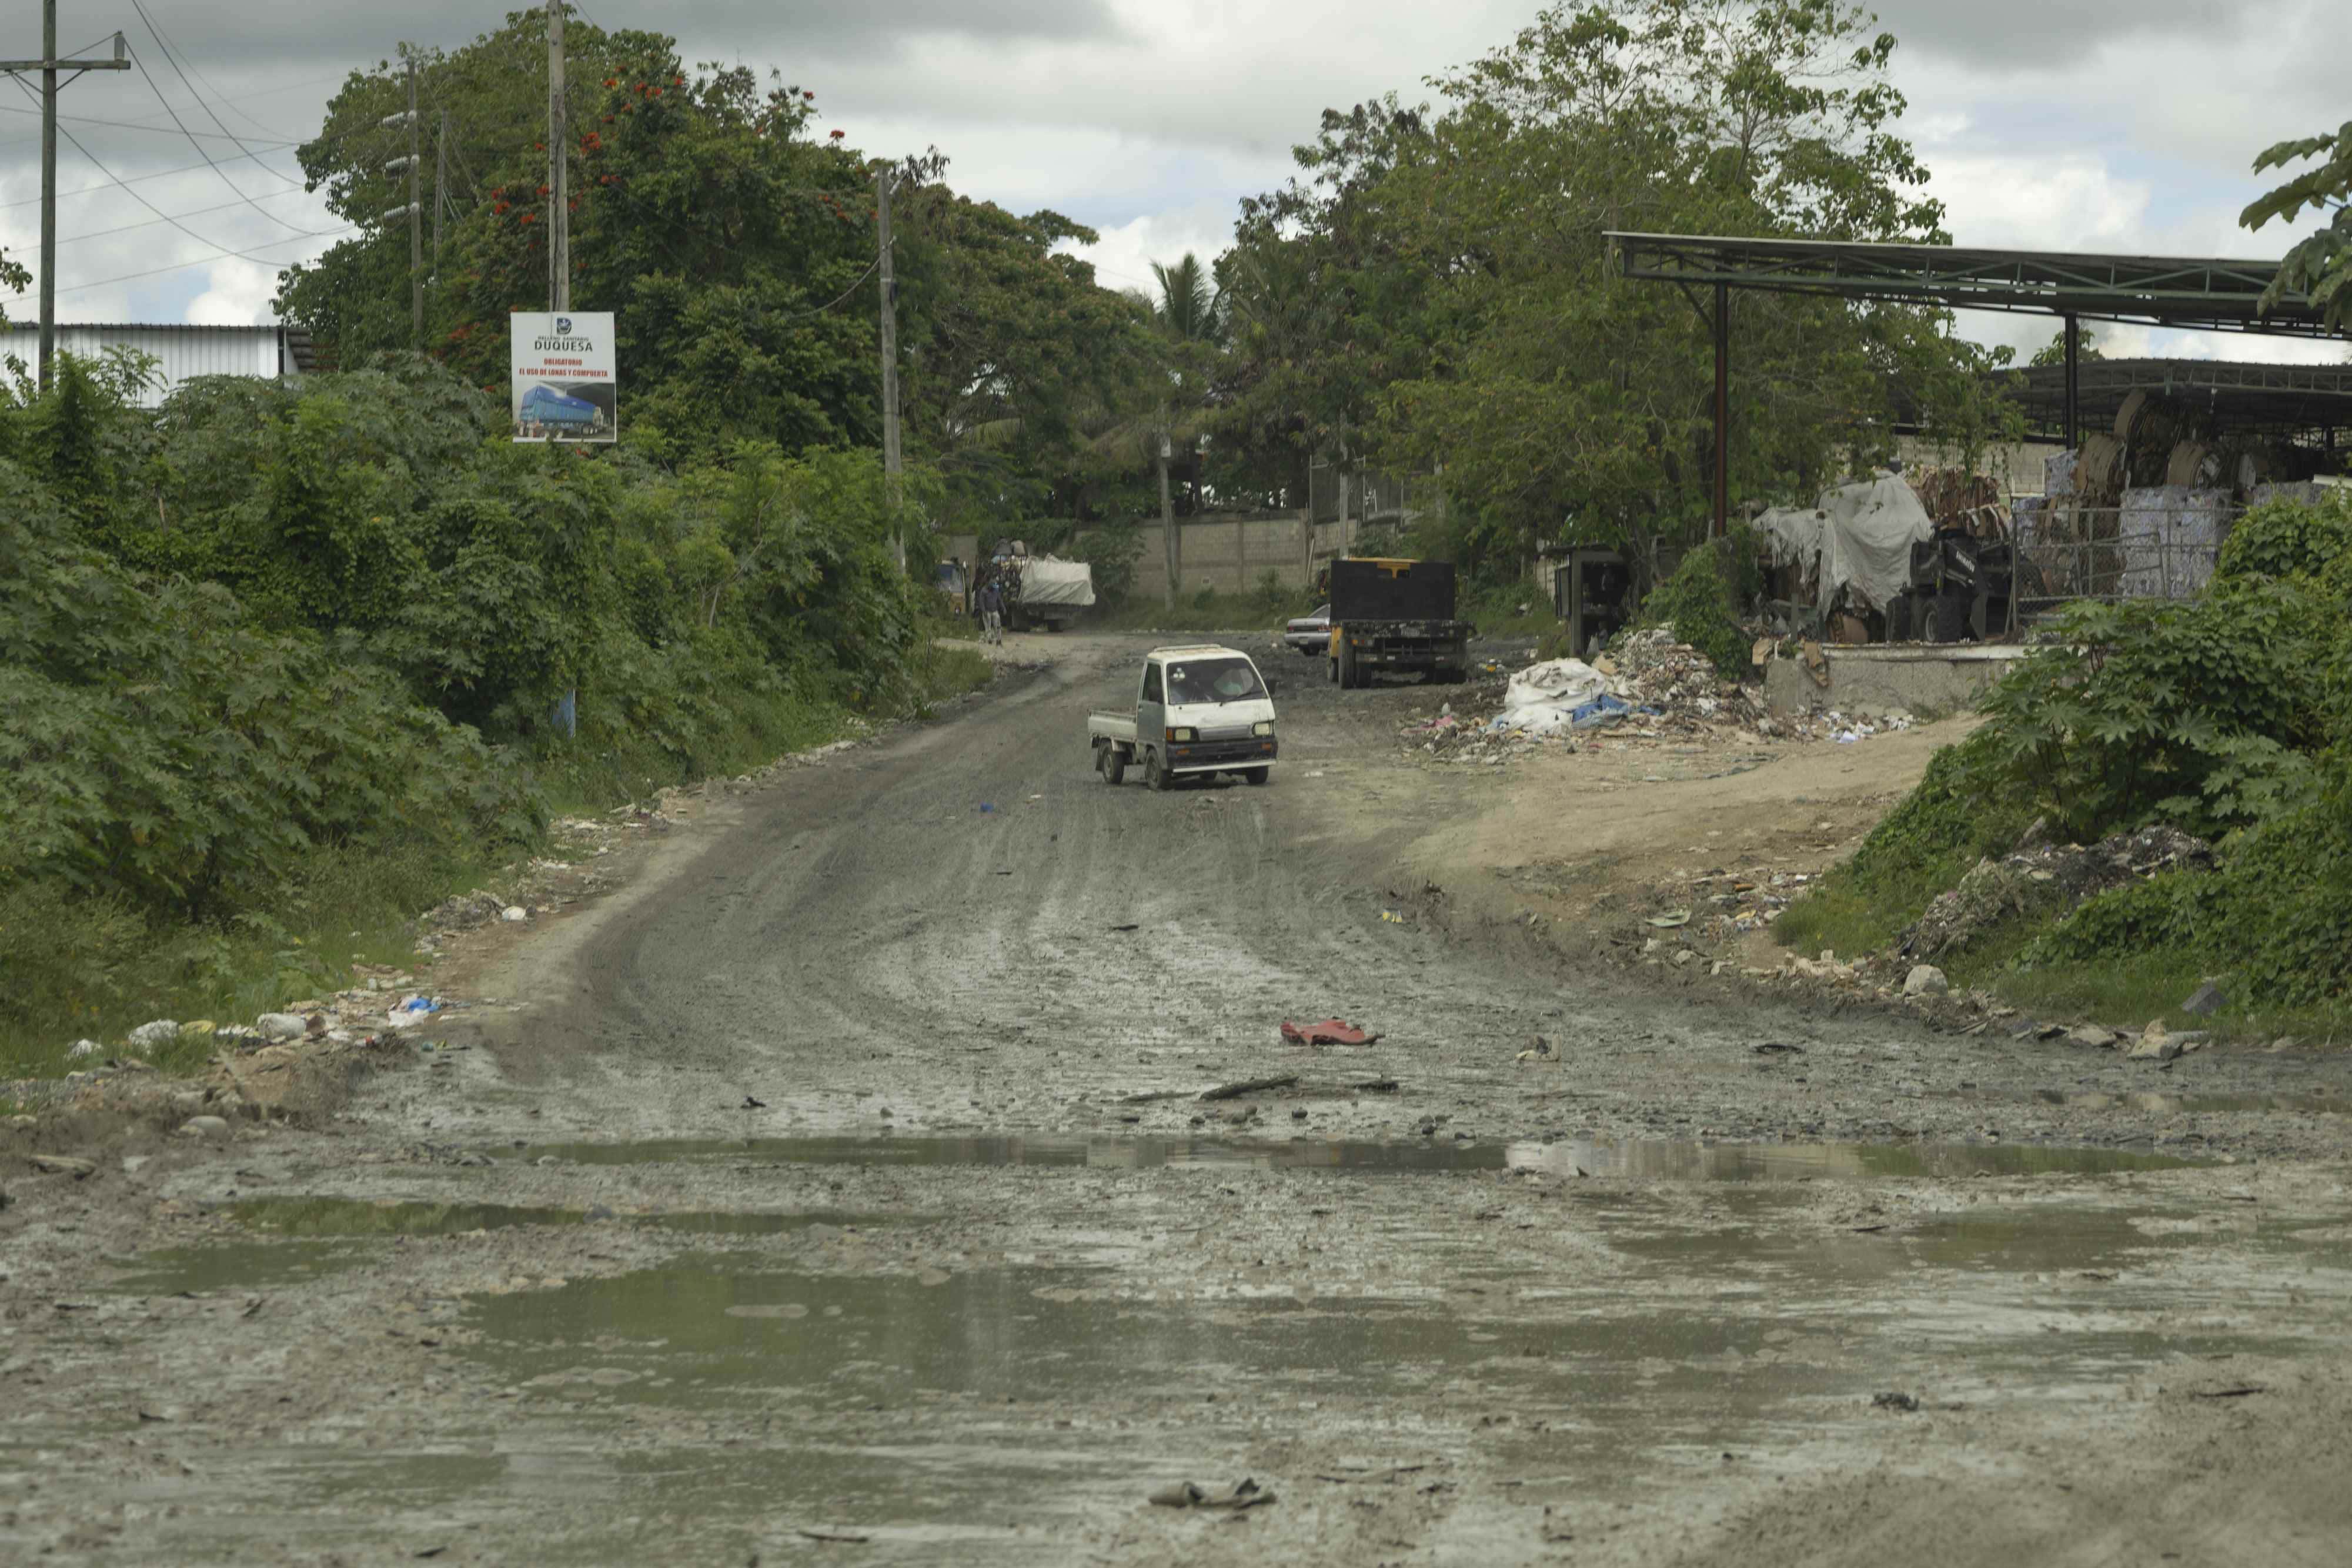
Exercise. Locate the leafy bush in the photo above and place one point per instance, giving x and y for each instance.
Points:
(1698, 603)
(2287, 538)
(2184, 713)
(2277, 915)
(160, 751)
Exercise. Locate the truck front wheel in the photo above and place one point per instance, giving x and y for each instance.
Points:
(1256, 775)
(1155, 776)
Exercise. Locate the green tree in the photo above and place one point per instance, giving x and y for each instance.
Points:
(1189, 308)
(1436, 287)
(2054, 352)
(2319, 266)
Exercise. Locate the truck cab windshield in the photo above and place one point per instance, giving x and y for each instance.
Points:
(1212, 681)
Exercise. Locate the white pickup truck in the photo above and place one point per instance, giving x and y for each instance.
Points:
(1199, 710)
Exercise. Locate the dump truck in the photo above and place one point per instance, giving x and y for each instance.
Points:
(1199, 709)
(1390, 615)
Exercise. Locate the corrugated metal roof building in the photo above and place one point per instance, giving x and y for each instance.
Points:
(184, 351)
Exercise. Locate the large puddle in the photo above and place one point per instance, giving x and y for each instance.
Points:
(1663, 1159)
(311, 1217)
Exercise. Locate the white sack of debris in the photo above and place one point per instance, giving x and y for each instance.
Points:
(1542, 697)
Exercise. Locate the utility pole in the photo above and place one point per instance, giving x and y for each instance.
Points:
(440, 191)
(890, 457)
(48, 65)
(416, 220)
(1172, 549)
(559, 165)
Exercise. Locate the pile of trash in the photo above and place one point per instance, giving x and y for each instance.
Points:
(2040, 875)
(1654, 671)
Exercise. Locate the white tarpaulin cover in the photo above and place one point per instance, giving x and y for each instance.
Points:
(1045, 580)
(1542, 698)
(1857, 536)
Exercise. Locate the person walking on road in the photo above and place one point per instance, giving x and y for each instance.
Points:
(991, 612)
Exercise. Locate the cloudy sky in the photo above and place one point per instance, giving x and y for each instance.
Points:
(2050, 124)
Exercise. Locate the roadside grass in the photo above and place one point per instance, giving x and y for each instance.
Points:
(1843, 915)
(90, 967)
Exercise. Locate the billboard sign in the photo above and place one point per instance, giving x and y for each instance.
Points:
(561, 386)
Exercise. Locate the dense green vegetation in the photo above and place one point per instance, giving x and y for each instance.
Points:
(2228, 717)
(279, 664)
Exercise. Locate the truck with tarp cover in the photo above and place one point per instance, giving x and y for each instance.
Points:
(1037, 589)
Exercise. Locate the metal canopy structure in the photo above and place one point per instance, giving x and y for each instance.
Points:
(2289, 403)
(2203, 294)
(2209, 293)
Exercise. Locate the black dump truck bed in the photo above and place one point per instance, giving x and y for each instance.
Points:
(1365, 590)
(1395, 616)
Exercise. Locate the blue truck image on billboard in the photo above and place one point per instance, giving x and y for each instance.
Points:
(548, 409)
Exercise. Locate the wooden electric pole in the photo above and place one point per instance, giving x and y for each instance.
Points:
(440, 191)
(48, 65)
(890, 455)
(416, 218)
(559, 163)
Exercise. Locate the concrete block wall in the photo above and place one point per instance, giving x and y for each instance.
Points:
(1229, 555)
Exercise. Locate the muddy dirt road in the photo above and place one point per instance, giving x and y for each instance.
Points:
(841, 1191)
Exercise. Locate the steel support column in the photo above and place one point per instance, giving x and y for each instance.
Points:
(2074, 384)
(1722, 410)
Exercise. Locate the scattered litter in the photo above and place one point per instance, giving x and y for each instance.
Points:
(1130, 926)
(514, 914)
(1391, 917)
(282, 1026)
(1185, 1494)
(2238, 1391)
(1894, 1401)
(414, 1009)
(2207, 999)
(1671, 919)
(1779, 1047)
(1330, 1031)
(153, 1036)
(752, 1104)
(987, 806)
(82, 1050)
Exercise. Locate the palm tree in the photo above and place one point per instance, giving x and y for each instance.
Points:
(1190, 306)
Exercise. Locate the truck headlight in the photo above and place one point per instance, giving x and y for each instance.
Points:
(1262, 726)
(1182, 735)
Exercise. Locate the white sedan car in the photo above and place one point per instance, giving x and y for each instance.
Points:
(1310, 635)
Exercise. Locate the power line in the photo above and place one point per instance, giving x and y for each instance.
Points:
(220, 255)
(170, 44)
(134, 125)
(142, 200)
(239, 191)
(172, 61)
(192, 213)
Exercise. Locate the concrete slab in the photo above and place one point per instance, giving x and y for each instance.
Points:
(1909, 677)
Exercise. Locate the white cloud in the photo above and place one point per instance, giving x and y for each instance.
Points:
(238, 296)
(1123, 260)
